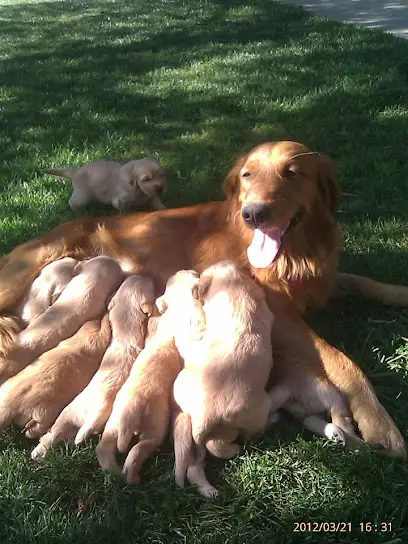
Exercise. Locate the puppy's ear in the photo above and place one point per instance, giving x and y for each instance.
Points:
(328, 183)
(147, 308)
(78, 268)
(231, 182)
(161, 304)
(111, 303)
(203, 286)
(195, 292)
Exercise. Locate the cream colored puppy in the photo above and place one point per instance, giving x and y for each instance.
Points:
(222, 387)
(88, 412)
(184, 313)
(83, 299)
(122, 185)
(45, 289)
(34, 398)
(142, 405)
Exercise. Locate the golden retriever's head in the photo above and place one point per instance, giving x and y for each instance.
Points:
(147, 175)
(276, 187)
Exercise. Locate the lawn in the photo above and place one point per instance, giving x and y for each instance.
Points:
(194, 83)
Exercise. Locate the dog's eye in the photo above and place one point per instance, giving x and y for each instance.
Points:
(290, 172)
(246, 175)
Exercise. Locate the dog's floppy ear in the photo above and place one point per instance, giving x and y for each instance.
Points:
(78, 268)
(203, 286)
(328, 183)
(147, 308)
(231, 182)
(161, 304)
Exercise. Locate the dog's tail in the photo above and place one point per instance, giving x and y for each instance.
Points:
(183, 446)
(386, 293)
(61, 172)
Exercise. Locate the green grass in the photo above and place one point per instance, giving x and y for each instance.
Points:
(194, 83)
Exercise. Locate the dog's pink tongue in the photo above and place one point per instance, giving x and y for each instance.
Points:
(264, 247)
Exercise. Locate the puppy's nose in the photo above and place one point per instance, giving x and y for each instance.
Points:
(256, 214)
(159, 189)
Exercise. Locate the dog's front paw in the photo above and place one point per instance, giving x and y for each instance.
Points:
(209, 492)
(38, 453)
(380, 432)
(332, 432)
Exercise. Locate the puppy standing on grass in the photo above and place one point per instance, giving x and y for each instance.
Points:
(222, 385)
(89, 411)
(142, 405)
(34, 398)
(83, 299)
(122, 185)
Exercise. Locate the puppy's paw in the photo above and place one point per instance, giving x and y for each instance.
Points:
(332, 432)
(209, 492)
(38, 453)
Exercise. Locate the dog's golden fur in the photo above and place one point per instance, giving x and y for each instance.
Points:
(88, 412)
(84, 298)
(36, 395)
(142, 405)
(299, 187)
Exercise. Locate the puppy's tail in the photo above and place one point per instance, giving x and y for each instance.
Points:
(61, 172)
(183, 446)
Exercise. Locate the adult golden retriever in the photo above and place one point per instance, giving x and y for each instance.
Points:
(278, 214)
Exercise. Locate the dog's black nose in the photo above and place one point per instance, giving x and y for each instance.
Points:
(159, 189)
(256, 214)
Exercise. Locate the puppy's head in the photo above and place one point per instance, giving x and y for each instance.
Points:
(148, 176)
(137, 291)
(221, 276)
(182, 286)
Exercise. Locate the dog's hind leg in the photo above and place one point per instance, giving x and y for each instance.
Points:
(59, 432)
(106, 451)
(352, 284)
(79, 199)
(196, 475)
(137, 456)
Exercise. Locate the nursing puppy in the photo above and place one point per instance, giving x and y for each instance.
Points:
(308, 398)
(142, 405)
(222, 385)
(89, 411)
(134, 184)
(83, 299)
(34, 398)
(45, 289)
